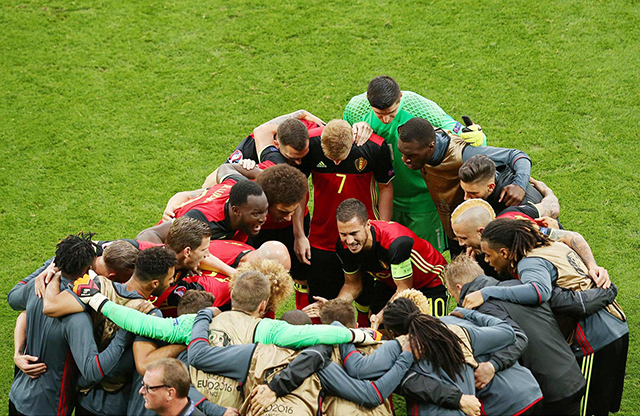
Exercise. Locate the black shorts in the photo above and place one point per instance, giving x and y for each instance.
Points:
(604, 372)
(299, 271)
(382, 293)
(326, 278)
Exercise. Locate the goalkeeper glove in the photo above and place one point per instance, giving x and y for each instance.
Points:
(87, 288)
(363, 336)
(472, 133)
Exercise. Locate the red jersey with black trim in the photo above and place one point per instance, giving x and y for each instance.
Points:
(354, 177)
(394, 243)
(212, 207)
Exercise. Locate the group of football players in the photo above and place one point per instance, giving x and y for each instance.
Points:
(181, 319)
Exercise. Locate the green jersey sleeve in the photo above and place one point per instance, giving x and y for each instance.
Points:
(171, 330)
(418, 106)
(357, 108)
(282, 334)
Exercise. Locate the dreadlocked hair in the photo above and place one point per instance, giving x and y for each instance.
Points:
(519, 236)
(281, 283)
(75, 254)
(429, 338)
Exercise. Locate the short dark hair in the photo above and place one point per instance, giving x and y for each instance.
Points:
(352, 208)
(338, 310)
(194, 300)
(383, 92)
(75, 254)
(296, 317)
(283, 184)
(417, 130)
(476, 168)
(186, 232)
(174, 374)
(154, 263)
(239, 193)
(120, 257)
(293, 133)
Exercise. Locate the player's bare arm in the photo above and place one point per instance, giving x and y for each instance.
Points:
(352, 286)
(145, 352)
(228, 169)
(549, 206)
(385, 200)
(177, 200)
(56, 304)
(156, 234)
(578, 243)
(28, 364)
(214, 264)
(301, 244)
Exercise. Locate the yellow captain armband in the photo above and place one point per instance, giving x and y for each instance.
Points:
(402, 271)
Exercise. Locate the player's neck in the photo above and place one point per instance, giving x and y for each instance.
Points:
(369, 243)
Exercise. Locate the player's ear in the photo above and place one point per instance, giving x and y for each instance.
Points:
(480, 230)
(504, 252)
(491, 187)
(186, 251)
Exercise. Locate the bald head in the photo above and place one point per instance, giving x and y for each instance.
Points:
(468, 226)
(271, 250)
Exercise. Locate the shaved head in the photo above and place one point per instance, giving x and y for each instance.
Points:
(468, 221)
(271, 250)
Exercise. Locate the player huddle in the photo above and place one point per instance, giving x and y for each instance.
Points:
(180, 320)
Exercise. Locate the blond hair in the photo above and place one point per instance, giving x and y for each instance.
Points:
(418, 298)
(280, 282)
(462, 270)
(337, 139)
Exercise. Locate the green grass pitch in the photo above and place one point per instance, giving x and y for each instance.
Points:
(107, 108)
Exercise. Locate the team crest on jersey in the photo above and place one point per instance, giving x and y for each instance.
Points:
(360, 164)
(235, 157)
(180, 291)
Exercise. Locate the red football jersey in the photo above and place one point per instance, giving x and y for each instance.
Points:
(355, 177)
(394, 243)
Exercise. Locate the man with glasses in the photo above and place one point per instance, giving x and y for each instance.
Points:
(165, 389)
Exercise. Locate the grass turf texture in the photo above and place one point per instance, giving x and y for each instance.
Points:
(108, 108)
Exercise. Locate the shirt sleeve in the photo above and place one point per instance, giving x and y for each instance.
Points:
(17, 297)
(309, 361)
(92, 365)
(365, 393)
(400, 258)
(490, 333)
(536, 276)
(419, 106)
(232, 361)
(508, 356)
(357, 108)
(372, 366)
(428, 389)
(271, 154)
(171, 330)
(383, 169)
(518, 160)
(280, 333)
(580, 304)
(347, 259)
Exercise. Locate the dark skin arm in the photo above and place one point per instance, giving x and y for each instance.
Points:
(156, 234)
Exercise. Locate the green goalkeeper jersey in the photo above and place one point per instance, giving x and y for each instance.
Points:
(409, 190)
(269, 331)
